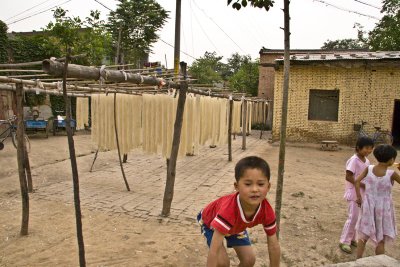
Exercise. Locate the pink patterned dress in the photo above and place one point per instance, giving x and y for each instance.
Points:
(377, 220)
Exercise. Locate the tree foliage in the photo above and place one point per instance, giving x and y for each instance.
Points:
(207, 69)
(344, 44)
(386, 34)
(238, 4)
(246, 78)
(3, 42)
(74, 33)
(139, 22)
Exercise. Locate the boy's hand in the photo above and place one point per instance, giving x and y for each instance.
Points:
(274, 251)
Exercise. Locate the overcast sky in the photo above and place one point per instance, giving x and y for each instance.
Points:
(244, 31)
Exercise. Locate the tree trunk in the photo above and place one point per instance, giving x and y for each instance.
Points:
(171, 169)
(282, 147)
(27, 166)
(21, 159)
(74, 167)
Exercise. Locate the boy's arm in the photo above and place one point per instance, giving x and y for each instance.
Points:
(358, 183)
(216, 244)
(274, 251)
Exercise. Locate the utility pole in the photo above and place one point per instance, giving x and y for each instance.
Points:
(282, 146)
(177, 45)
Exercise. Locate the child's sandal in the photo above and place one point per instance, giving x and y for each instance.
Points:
(354, 243)
(345, 248)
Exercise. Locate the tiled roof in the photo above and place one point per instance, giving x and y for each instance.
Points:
(385, 55)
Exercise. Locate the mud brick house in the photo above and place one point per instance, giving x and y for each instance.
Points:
(329, 93)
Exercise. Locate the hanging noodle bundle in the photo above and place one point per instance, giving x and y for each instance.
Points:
(148, 121)
(236, 117)
(82, 112)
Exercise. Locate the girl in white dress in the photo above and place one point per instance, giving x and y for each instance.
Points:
(377, 220)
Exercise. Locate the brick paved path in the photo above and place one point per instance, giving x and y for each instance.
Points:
(199, 180)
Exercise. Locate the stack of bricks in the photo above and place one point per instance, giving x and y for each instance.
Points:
(366, 92)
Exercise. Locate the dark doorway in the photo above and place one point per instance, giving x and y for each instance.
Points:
(396, 124)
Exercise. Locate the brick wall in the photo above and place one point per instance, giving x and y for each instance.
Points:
(366, 93)
(267, 76)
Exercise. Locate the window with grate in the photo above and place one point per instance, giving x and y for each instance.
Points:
(323, 105)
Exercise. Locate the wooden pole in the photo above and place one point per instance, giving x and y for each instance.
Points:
(74, 167)
(230, 130)
(94, 160)
(171, 169)
(177, 45)
(117, 140)
(27, 167)
(21, 159)
(244, 124)
(282, 146)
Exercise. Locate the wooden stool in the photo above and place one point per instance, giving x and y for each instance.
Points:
(329, 145)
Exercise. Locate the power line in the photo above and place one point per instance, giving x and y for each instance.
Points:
(180, 50)
(218, 26)
(27, 10)
(367, 4)
(205, 33)
(15, 21)
(103, 5)
(347, 10)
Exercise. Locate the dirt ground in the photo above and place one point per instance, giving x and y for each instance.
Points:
(123, 228)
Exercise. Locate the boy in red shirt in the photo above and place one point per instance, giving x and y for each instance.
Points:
(229, 216)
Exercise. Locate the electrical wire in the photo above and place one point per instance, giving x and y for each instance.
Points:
(367, 4)
(26, 10)
(160, 38)
(347, 10)
(180, 50)
(205, 33)
(103, 5)
(210, 18)
(38, 13)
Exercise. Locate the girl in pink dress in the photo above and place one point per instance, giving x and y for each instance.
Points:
(377, 220)
(354, 167)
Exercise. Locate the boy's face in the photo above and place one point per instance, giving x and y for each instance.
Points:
(253, 187)
(365, 151)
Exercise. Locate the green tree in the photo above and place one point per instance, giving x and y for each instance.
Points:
(236, 61)
(246, 78)
(74, 33)
(139, 22)
(266, 4)
(344, 44)
(3, 42)
(208, 69)
(386, 34)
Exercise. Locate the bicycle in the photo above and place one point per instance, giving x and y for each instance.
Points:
(11, 131)
(379, 137)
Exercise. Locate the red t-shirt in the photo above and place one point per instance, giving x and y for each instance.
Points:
(226, 215)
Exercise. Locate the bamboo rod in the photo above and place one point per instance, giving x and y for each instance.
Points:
(117, 140)
(244, 124)
(74, 167)
(171, 169)
(19, 70)
(21, 160)
(230, 130)
(12, 88)
(28, 76)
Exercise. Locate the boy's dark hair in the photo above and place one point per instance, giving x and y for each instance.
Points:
(364, 141)
(384, 153)
(251, 162)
